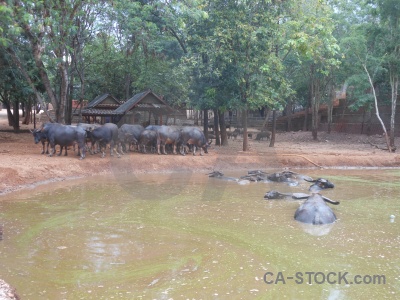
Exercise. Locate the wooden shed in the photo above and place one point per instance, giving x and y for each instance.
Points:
(102, 110)
(144, 108)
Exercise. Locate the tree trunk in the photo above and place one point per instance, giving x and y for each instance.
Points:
(28, 113)
(68, 106)
(331, 101)
(30, 82)
(196, 117)
(265, 123)
(205, 124)
(216, 130)
(63, 105)
(16, 116)
(306, 116)
(222, 126)
(315, 100)
(245, 137)
(289, 109)
(272, 141)
(376, 108)
(394, 84)
(23, 109)
(10, 116)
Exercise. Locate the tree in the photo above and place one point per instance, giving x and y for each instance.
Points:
(311, 37)
(389, 12)
(374, 44)
(236, 46)
(50, 28)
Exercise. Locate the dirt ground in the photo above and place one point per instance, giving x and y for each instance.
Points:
(22, 165)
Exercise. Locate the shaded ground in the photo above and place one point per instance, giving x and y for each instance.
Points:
(22, 165)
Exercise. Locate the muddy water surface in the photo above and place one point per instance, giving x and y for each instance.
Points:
(187, 236)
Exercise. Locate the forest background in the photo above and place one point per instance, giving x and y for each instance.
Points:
(210, 55)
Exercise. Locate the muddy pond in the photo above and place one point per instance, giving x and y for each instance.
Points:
(187, 236)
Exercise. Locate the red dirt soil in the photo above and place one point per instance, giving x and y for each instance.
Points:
(22, 165)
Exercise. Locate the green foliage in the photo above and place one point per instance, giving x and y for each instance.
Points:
(208, 54)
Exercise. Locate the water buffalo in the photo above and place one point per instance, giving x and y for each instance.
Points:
(94, 146)
(263, 134)
(277, 195)
(41, 138)
(315, 211)
(284, 176)
(153, 127)
(63, 135)
(320, 184)
(220, 175)
(147, 138)
(105, 134)
(193, 136)
(168, 135)
(128, 134)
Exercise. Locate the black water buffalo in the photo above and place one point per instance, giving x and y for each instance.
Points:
(41, 138)
(263, 134)
(129, 134)
(94, 146)
(63, 135)
(193, 136)
(147, 138)
(153, 127)
(105, 134)
(220, 175)
(320, 184)
(273, 195)
(167, 135)
(315, 211)
(284, 176)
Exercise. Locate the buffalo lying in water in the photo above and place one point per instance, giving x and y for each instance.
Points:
(272, 195)
(315, 210)
(288, 177)
(320, 184)
(220, 175)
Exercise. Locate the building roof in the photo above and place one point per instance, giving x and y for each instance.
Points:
(134, 102)
(100, 112)
(96, 102)
(103, 105)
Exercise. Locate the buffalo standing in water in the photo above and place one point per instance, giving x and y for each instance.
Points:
(315, 211)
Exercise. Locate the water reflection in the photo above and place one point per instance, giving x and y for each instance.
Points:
(317, 230)
(187, 236)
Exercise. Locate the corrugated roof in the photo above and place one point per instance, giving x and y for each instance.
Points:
(130, 103)
(96, 101)
(99, 112)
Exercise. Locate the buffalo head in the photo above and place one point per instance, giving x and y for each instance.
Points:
(320, 184)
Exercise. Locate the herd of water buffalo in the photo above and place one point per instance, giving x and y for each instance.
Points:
(95, 138)
(313, 211)
(155, 138)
